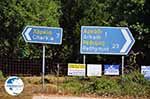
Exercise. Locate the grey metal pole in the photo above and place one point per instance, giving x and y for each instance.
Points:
(122, 65)
(58, 70)
(84, 58)
(43, 67)
(84, 62)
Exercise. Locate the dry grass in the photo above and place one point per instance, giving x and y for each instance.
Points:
(24, 95)
(48, 78)
(33, 86)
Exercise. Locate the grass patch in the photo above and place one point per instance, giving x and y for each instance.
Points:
(1, 75)
(135, 84)
(132, 85)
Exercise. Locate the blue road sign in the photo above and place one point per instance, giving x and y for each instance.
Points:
(111, 69)
(145, 70)
(106, 40)
(41, 34)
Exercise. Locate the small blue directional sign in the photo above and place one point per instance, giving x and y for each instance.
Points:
(41, 34)
(106, 40)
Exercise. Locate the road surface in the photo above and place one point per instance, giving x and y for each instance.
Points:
(66, 97)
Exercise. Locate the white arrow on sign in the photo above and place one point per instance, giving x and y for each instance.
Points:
(27, 33)
(128, 40)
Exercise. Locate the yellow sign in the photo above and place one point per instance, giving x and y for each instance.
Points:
(76, 69)
(76, 66)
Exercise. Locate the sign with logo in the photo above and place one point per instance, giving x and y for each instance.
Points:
(111, 69)
(14, 85)
(76, 69)
(145, 70)
(42, 34)
(106, 40)
(94, 70)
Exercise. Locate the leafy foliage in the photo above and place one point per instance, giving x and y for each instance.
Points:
(1, 75)
(132, 84)
(18, 14)
(71, 15)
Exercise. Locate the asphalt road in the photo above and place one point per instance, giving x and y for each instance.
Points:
(66, 97)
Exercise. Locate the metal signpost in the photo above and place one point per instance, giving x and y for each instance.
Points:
(106, 40)
(43, 66)
(122, 66)
(43, 35)
(84, 62)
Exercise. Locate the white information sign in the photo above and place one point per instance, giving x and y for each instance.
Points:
(94, 70)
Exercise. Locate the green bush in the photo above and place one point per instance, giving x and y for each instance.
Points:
(102, 86)
(109, 86)
(135, 84)
(135, 77)
(72, 85)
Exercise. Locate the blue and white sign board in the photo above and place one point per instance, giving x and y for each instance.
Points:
(145, 70)
(106, 40)
(111, 69)
(94, 70)
(14, 85)
(41, 34)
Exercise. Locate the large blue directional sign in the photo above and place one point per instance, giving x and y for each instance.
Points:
(106, 40)
(41, 34)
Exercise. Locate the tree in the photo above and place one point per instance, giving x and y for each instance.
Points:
(133, 14)
(126, 13)
(71, 15)
(75, 14)
(16, 14)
